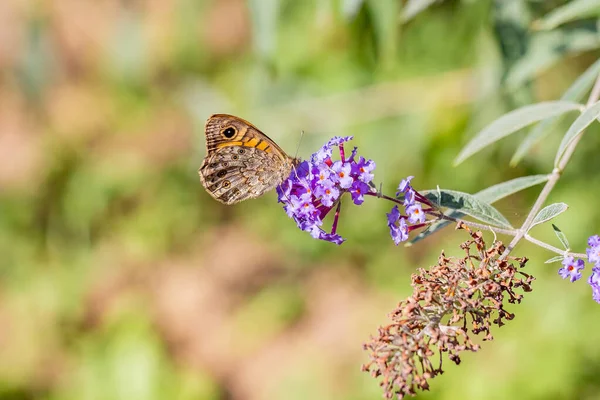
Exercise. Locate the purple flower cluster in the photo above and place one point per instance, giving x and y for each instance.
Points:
(572, 267)
(593, 253)
(314, 187)
(414, 213)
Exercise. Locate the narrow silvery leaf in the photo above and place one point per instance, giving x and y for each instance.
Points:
(469, 205)
(549, 212)
(554, 259)
(561, 236)
(546, 48)
(512, 122)
(574, 93)
(414, 7)
(578, 126)
(351, 7)
(583, 83)
(489, 195)
(505, 189)
(384, 16)
(571, 11)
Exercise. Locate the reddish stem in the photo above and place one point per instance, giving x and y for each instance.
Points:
(335, 218)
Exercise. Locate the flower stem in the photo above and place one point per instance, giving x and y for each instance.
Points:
(554, 177)
(510, 232)
(383, 196)
(552, 248)
(335, 218)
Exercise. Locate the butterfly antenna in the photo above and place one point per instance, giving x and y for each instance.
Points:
(299, 142)
(297, 150)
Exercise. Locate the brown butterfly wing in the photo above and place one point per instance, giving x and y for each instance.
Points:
(241, 162)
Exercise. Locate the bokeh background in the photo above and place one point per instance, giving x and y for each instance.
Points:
(120, 278)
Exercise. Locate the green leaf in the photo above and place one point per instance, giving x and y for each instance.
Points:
(561, 236)
(264, 15)
(385, 20)
(414, 7)
(571, 11)
(350, 8)
(512, 122)
(576, 129)
(469, 205)
(505, 189)
(554, 259)
(548, 47)
(489, 195)
(549, 212)
(574, 93)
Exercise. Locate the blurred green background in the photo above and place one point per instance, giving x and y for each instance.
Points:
(122, 279)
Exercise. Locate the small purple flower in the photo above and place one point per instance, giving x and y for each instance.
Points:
(594, 241)
(363, 168)
(342, 172)
(404, 185)
(397, 225)
(593, 252)
(331, 237)
(594, 281)
(302, 205)
(415, 214)
(571, 268)
(327, 192)
(393, 216)
(353, 154)
(303, 188)
(321, 156)
(399, 233)
(321, 174)
(338, 140)
(409, 197)
(596, 294)
(358, 190)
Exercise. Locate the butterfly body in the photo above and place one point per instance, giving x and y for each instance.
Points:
(241, 162)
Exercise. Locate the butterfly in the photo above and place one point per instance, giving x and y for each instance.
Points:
(241, 162)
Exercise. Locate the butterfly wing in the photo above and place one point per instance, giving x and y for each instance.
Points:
(241, 162)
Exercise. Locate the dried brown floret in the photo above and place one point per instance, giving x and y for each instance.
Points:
(456, 298)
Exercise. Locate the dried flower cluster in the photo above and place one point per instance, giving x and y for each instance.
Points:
(456, 298)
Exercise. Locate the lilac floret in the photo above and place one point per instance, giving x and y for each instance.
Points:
(342, 172)
(415, 214)
(397, 225)
(363, 170)
(358, 191)
(404, 185)
(594, 281)
(327, 192)
(594, 241)
(571, 268)
(593, 252)
(338, 140)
